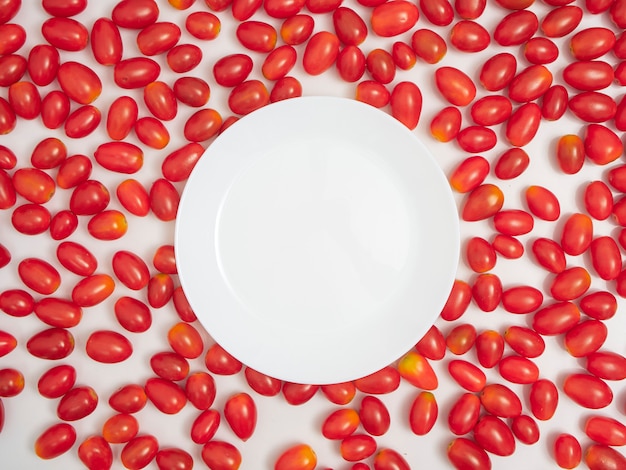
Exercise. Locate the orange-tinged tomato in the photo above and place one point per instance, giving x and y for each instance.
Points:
(428, 45)
(203, 25)
(394, 18)
(221, 454)
(464, 414)
(416, 370)
(383, 381)
(461, 338)
(39, 275)
(524, 341)
(458, 300)
(160, 290)
(248, 96)
(577, 234)
(587, 391)
(340, 423)
(128, 399)
(11, 382)
(357, 447)
(487, 291)
(160, 100)
(279, 62)
(320, 53)
(34, 185)
(445, 126)
(185, 340)
(570, 283)
(482, 203)
(133, 197)
(423, 413)
(164, 259)
(51, 344)
(120, 428)
(8, 119)
(500, 401)
(139, 451)
(380, 65)
(152, 132)
(466, 454)
(95, 452)
(469, 36)
(542, 203)
(55, 441)
(79, 82)
(372, 93)
(530, 83)
(296, 29)
(106, 42)
(600, 457)
(339, 393)
(77, 403)
(556, 318)
(406, 103)
(121, 117)
(561, 21)
(389, 459)
(585, 338)
(220, 362)
(132, 314)
(108, 225)
(467, 375)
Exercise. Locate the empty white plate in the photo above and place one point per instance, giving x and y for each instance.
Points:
(317, 240)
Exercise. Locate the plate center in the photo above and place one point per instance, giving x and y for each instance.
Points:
(317, 229)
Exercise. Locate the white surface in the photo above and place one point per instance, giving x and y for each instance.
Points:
(279, 424)
(311, 220)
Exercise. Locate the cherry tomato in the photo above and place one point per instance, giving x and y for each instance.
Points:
(168, 397)
(322, 6)
(65, 33)
(567, 451)
(508, 246)
(158, 38)
(220, 362)
(12, 69)
(455, 86)
(605, 430)
(591, 43)
(406, 103)
(108, 347)
(423, 413)
(598, 200)
(33, 184)
(374, 416)
(257, 36)
(31, 219)
(349, 26)
(487, 292)
(518, 369)
(320, 53)
(139, 451)
(279, 62)
(482, 203)
(416, 370)
(606, 365)
(524, 341)
(120, 428)
(135, 72)
(135, 14)
(428, 45)
(350, 64)
(298, 394)
(446, 125)
(297, 457)
(570, 283)
(128, 399)
(585, 338)
(392, 19)
(79, 82)
(58, 312)
(439, 12)
(469, 36)
(554, 102)
(200, 390)
(357, 447)
(480, 255)
(132, 314)
(467, 375)
(498, 71)
(372, 93)
(106, 42)
(185, 340)
(93, 289)
(160, 100)
(470, 9)
(577, 234)
(121, 118)
(587, 391)
(261, 383)
(389, 459)
(542, 203)
(202, 125)
(8, 196)
(500, 401)
(240, 413)
(95, 452)
(184, 57)
(76, 258)
(55, 441)
(592, 106)
(8, 160)
(599, 457)
(570, 152)
(222, 455)
(464, 414)
(133, 197)
(7, 117)
(120, 157)
(588, 75)
(523, 124)
(297, 29)
(386, 380)
(513, 222)
(203, 25)
(606, 257)
(205, 426)
(602, 145)
(25, 100)
(108, 225)
(169, 366)
(248, 96)
(556, 318)
(561, 21)
(540, 50)
(160, 290)
(525, 429)
(39, 275)
(466, 454)
(432, 345)
(476, 139)
(458, 300)
(491, 110)
(11, 382)
(461, 338)
(494, 435)
(232, 70)
(177, 165)
(7, 343)
(380, 65)
(244, 9)
(16, 302)
(14, 37)
(516, 28)
(43, 64)
(340, 393)
(152, 132)
(340, 424)
(543, 398)
(77, 403)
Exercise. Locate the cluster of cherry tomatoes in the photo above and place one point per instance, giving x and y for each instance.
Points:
(486, 418)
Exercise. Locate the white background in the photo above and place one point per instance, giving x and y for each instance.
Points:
(280, 425)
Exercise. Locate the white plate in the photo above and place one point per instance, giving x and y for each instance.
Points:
(317, 240)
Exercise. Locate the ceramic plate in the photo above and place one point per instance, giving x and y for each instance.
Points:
(317, 239)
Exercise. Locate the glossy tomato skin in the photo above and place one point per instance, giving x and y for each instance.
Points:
(16, 302)
(570, 283)
(406, 103)
(525, 429)
(76, 258)
(34, 185)
(480, 255)
(298, 394)
(542, 203)
(135, 14)
(52, 344)
(58, 312)
(508, 246)
(606, 365)
(240, 413)
(357, 447)
(458, 300)
(445, 125)
(351, 63)
(31, 219)
(158, 38)
(166, 396)
(184, 57)
(7, 343)
(465, 453)
(320, 52)
(25, 100)
(340, 393)
(556, 318)
(428, 45)
(93, 289)
(416, 370)
(203, 25)
(606, 257)
(43, 64)
(516, 28)
(200, 390)
(132, 314)
(39, 275)
(106, 42)
(500, 401)
(152, 132)
(65, 33)
(386, 380)
(95, 452)
(77, 403)
(12, 69)
(136, 72)
(205, 426)
(487, 291)
(261, 383)
(467, 375)
(139, 451)
(523, 124)
(469, 36)
(133, 197)
(498, 71)
(257, 36)
(540, 50)
(248, 96)
(389, 19)
(460, 339)
(554, 102)
(121, 117)
(599, 457)
(108, 347)
(297, 29)
(55, 441)
(602, 145)
(587, 391)
(561, 21)
(219, 361)
(513, 222)
(220, 454)
(203, 124)
(593, 106)
(470, 9)
(600, 305)
(169, 365)
(591, 43)
(340, 423)
(349, 26)
(120, 428)
(577, 234)
(598, 200)
(524, 341)
(8, 119)
(483, 202)
(606, 430)
(423, 413)
(585, 338)
(491, 110)
(476, 139)
(174, 459)
(544, 399)
(432, 345)
(82, 122)
(79, 82)
(518, 369)
(128, 399)
(570, 153)
(299, 456)
(372, 93)
(279, 62)
(567, 451)
(494, 435)
(455, 86)
(374, 416)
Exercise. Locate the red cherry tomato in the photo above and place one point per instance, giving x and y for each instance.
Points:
(494, 435)
(261, 383)
(7, 343)
(106, 42)
(601, 144)
(185, 340)
(458, 300)
(561, 21)
(184, 57)
(357, 447)
(392, 19)
(428, 45)
(132, 314)
(128, 399)
(556, 318)
(567, 451)
(525, 429)
(56, 381)
(543, 398)
(570, 283)
(279, 62)
(461, 338)
(570, 153)
(423, 413)
(297, 457)
(372, 93)
(31, 219)
(605, 430)
(455, 86)
(55, 441)
(202, 125)
(607, 365)
(469, 36)
(220, 362)
(481, 257)
(248, 96)
(446, 125)
(543, 203)
(518, 369)
(168, 397)
(350, 64)
(39, 275)
(240, 413)
(177, 165)
(389, 459)
(432, 345)
(374, 416)
(587, 391)
(591, 43)
(65, 33)
(592, 106)
(205, 426)
(487, 292)
(482, 203)
(513, 222)
(406, 103)
(93, 289)
(524, 341)
(349, 26)
(386, 380)
(585, 338)
(160, 290)
(340, 393)
(340, 424)
(220, 454)
(152, 132)
(554, 102)
(164, 199)
(139, 451)
(467, 375)
(203, 25)
(516, 28)
(169, 366)
(77, 403)
(257, 36)
(491, 110)
(438, 12)
(470, 9)
(320, 53)
(476, 139)
(11, 382)
(296, 29)
(298, 394)
(158, 38)
(135, 72)
(540, 50)
(498, 71)
(133, 197)
(500, 400)
(108, 347)
(95, 452)
(599, 457)
(57, 312)
(16, 302)
(466, 454)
